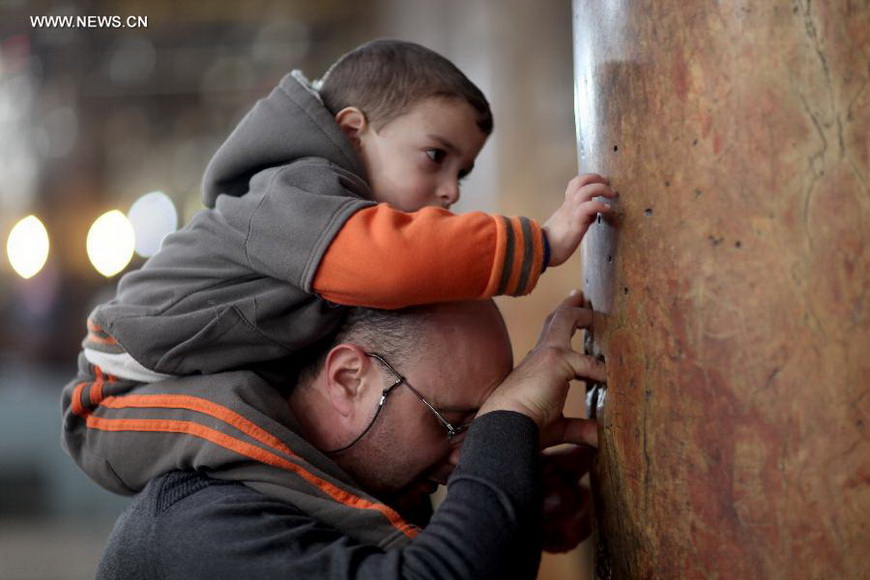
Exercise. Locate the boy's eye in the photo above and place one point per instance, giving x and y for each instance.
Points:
(436, 155)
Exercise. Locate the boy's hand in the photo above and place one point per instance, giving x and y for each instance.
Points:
(568, 225)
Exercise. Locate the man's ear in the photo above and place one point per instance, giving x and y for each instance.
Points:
(348, 371)
(353, 123)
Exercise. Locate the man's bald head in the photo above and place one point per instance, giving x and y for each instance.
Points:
(408, 332)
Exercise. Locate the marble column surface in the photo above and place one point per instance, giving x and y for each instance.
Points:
(732, 284)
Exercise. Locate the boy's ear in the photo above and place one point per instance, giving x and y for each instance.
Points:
(348, 371)
(353, 122)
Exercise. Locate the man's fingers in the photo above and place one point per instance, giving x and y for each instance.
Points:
(566, 319)
(569, 459)
(587, 367)
(580, 432)
(575, 298)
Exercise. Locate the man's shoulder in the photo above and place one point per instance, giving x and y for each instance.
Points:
(164, 492)
(187, 524)
(188, 491)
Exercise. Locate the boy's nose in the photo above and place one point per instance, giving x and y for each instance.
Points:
(448, 193)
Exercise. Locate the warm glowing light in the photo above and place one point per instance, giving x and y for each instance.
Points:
(27, 247)
(110, 243)
(153, 217)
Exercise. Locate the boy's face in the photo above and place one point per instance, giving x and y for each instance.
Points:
(418, 159)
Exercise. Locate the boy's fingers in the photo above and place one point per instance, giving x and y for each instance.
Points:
(593, 190)
(585, 179)
(590, 209)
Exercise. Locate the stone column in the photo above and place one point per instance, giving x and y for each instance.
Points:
(733, 284)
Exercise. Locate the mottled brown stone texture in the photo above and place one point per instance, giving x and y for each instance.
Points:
(733, 284)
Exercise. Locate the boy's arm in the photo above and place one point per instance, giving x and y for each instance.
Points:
(386, 258)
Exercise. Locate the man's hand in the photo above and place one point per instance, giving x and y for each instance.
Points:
(566, 228)
(539, 386)
(567, 502)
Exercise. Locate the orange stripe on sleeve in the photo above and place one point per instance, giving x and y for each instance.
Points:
(97, 335)
(76, 400)
(96, 394)
(493, 287)
(98, 339)
(524, 256)
(518, 257)
(253, 452)
(537, 265)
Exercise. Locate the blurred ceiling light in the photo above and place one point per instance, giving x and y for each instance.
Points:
(27, 247)
(110, 243)
(153, 217)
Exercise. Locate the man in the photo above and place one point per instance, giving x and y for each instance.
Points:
(379, 418)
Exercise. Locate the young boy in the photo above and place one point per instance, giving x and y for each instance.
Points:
(295, 227)
(334, 195)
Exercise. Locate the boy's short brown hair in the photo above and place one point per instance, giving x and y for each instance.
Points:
(385, 78)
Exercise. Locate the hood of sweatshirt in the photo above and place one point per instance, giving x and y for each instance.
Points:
(289, 124)
(235, 426)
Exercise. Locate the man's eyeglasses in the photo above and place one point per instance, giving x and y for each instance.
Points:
(452, 430)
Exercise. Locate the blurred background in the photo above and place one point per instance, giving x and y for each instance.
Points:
(104, 135)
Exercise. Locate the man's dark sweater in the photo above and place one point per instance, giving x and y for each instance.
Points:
(187, 525)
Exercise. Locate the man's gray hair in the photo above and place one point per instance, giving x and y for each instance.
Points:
(391, 333)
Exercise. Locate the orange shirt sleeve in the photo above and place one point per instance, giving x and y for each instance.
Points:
(386, 258)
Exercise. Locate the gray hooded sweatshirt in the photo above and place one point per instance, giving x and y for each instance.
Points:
(217, 297)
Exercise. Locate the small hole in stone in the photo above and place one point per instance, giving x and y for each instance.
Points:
(695, 142)
(667, 183)
(609, 259)
(648, 212)
(616, 148)
(738, 244)
(598, 218)
(625, 290)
